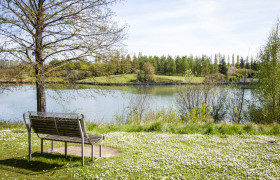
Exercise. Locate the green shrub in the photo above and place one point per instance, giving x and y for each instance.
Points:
(210, 128)
(230, 129)
(251, 128)
(134, 128)
(275, 130)
(156, 126)
(200, 114)
(192, 128)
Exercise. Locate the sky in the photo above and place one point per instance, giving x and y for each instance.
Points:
(185, 27)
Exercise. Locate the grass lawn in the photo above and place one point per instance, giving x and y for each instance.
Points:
(124, 78)
(128, 78)
(147, 155)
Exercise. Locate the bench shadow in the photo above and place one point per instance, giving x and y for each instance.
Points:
(24, 166)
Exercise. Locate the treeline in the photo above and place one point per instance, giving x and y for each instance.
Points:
(6, 64)
(163, 65)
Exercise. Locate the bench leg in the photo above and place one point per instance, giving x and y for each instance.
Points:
(92, 152)
(83, 159)
(65, 149)
(42, 146)
(100, 153)
(29, 144)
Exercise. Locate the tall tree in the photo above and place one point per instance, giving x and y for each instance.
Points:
(216, 64)
(162, 64)
(247, 64)
(135, 63)
(233, 61)
(37, 31)
(223, 67)
(170, 66)
(252, 62)
(178, 63)
(153, 61)
(185, 65)
(191, 63)
(228, 61)
(242, 63)
(269, 74)
(237, 62)
(128, 64)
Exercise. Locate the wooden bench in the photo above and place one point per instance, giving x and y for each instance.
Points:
(63, 127)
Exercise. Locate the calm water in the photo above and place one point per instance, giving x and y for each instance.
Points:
(98, 104)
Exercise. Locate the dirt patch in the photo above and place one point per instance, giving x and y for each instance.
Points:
(76, 151)
(273, 142)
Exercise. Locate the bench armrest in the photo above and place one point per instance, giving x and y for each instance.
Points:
(27, 123)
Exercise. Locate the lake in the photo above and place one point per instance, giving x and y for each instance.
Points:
(98, 104)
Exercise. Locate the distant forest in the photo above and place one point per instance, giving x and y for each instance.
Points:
(117, 63)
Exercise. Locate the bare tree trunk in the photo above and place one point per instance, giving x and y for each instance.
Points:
(40, 79)
(40, 88)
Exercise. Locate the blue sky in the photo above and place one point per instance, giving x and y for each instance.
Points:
(184, 27)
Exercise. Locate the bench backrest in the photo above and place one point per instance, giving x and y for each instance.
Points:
(57, 124)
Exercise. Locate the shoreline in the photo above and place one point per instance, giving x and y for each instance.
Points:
(128, 84)
(25, 81)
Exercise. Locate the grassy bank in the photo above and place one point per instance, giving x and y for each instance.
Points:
(152, 153)
(124, 78)
(128, 78)
(195, 128)
(176, 128)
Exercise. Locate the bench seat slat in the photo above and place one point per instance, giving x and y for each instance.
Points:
(93, 138)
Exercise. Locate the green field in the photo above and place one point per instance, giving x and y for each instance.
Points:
(112, 79)
(146, 155)
(128, 78)
(123, 78)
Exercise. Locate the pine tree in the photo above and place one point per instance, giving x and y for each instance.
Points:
(252, 62)
(223, 67)
(242, 63)
(171, 66)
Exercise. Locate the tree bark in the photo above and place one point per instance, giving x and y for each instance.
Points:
(40, 88)
(39, 69)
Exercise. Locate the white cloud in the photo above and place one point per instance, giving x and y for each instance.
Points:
(183, 27)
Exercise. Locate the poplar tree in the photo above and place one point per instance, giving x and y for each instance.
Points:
(237, 62)
(216, 66)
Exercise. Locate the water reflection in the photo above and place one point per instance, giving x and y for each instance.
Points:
(98, 103)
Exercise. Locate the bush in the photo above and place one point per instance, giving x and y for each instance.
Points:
(156, 126)
(275, 130)
(200, 114)
(210, 128)
(212, 78)
(263, 115)
(147, 74)
(76, 75)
